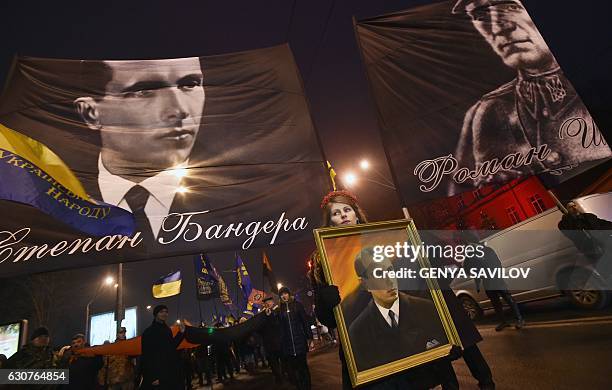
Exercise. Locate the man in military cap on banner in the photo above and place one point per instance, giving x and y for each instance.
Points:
(539, 107)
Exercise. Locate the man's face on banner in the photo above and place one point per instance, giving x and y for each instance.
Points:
(151, 112)
(509, 30)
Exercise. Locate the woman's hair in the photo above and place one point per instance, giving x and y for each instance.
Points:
(316, 273)
(341, 197)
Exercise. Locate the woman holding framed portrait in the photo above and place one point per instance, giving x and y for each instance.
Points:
(376, 334)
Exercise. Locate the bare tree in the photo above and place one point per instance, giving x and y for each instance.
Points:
(41, 298)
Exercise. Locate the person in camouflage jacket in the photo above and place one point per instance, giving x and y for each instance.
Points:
(37, 354)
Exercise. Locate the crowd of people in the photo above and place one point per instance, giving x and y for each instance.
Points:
(280, 345)
(280, 341)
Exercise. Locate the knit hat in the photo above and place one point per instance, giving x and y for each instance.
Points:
(159, 308)
(42, 331)
(283, 290)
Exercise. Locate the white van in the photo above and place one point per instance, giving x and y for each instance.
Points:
(557, 267)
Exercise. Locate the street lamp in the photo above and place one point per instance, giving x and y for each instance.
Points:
(148, 307)
(364, 164)
(107, 282)
(350, 179)
(279, 286)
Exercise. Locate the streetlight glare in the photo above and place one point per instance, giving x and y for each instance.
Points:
(116, 285)
(350, 179)
(109, 280)
(148, 307)
(180, 172)
(364, 164)
(182, 190)
(279, 285)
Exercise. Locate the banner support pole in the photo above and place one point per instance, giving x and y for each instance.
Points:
(560, 205)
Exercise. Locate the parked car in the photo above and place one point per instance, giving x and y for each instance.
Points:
(557, 267)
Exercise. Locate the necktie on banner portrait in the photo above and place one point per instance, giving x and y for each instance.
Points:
(207, 285)
(463, 100)
(168, 285)
(205, 153)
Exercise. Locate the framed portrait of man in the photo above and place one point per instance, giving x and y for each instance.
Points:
(389, 319)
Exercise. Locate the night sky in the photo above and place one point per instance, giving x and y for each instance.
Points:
(321, 36)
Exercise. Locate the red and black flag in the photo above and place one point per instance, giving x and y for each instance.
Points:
(268, 273)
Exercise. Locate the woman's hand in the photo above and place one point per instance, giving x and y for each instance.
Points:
(329, 295)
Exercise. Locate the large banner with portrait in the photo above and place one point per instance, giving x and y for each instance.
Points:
(106, 161)
(468, 93)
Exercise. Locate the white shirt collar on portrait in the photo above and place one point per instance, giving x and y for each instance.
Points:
(385, 312)
(162, 188)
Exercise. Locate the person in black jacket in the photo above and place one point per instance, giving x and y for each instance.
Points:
(160, 359)
(271, 334)
(295, 338)
(83, 370)
(495, 288)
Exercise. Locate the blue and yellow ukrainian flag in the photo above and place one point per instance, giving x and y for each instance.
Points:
(168, 285)
(33, 174)
(243, 278)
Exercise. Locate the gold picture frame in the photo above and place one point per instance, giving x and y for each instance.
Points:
(337, 248)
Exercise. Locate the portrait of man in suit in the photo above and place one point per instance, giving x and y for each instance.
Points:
(394, 324)
(148, 115)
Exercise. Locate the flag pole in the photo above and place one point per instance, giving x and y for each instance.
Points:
(263, 285)
(215, 306)
(195, 273)
(178, 305)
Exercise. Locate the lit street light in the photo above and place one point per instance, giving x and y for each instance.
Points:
(148, 307)
(350, 179)
(279, 286)
(107, 282)
(180, 172)
(364, 164)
